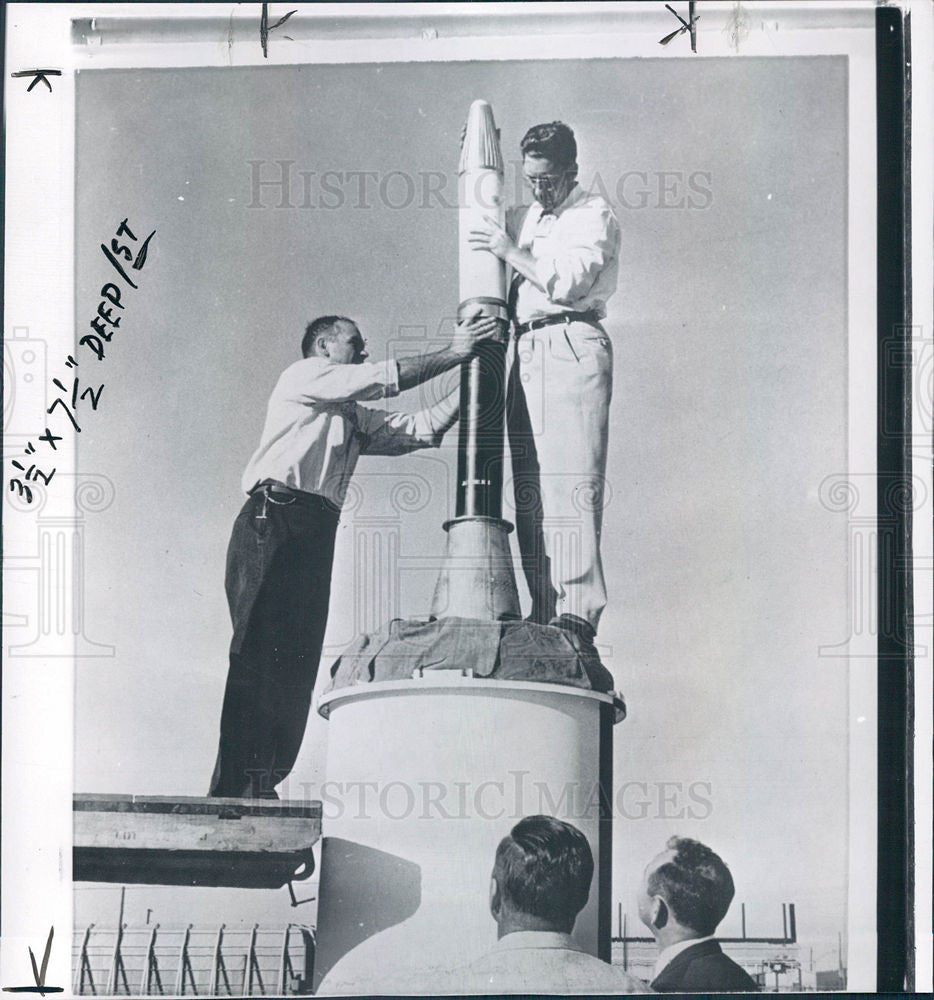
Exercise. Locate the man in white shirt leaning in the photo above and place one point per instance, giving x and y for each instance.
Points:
(279, 559)
(563, 250)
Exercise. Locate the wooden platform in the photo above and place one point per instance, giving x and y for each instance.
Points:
(155, 840)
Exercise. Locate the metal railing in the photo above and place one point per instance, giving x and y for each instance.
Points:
(152, 960)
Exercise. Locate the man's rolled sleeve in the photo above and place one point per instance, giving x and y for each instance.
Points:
(316, 380)
(396, 433)
(567, 273)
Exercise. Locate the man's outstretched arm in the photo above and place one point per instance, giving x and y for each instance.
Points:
(398, 433)
(415, 370)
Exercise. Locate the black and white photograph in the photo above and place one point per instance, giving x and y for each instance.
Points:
(468, 512)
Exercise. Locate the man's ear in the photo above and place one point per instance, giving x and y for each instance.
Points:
(658, 913)
(321, 348)
(495, 898)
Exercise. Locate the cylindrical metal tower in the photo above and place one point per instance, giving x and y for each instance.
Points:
(426, 777)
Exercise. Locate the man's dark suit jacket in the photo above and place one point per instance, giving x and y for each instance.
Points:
(703, 968)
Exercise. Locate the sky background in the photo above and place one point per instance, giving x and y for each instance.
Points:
(725, 571)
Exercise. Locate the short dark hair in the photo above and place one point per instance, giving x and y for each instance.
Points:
(544, 868)
(325, 325)
(554, 141)
(696, 884)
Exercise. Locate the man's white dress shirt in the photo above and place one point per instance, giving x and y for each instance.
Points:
(544, 962)
(316, 429)
(576, 251)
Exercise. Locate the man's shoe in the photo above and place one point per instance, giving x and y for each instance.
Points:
(579, 626)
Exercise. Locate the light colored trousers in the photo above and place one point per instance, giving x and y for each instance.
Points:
(558, 399)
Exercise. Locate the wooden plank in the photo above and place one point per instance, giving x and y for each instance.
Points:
(195, 824)
(207, 868)
(192, 832)
(193, 841)
(182, 804)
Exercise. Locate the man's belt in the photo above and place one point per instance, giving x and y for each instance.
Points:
(280, 493)
(590, 317)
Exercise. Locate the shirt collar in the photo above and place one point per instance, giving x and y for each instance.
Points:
(535, 939)
(667, 955)
(573, 196)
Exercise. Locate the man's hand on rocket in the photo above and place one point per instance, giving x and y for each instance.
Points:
(492, 237)
(471, 331)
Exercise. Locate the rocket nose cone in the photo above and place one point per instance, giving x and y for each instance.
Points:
(481, 140)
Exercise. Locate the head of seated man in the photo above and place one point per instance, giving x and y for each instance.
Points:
(335, 338)
(541, 877)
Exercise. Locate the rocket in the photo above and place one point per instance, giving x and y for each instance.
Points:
(477, 579)
(482, 289)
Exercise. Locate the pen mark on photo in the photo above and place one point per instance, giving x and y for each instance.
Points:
(689, 25)
(265, 27)
(39, 74)
(117, 253)
(141, 256)
(38, 972)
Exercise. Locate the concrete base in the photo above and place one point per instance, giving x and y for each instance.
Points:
(425, 777)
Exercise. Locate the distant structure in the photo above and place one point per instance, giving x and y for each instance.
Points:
(763, 957)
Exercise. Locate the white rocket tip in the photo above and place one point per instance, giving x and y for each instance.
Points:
(481, 142)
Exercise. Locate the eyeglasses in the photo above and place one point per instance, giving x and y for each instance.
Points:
(544, 180)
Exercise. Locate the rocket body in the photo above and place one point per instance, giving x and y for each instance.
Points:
(477, 579)
(480, 197)
(482, 289)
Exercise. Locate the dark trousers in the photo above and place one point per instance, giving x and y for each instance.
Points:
(278, 585)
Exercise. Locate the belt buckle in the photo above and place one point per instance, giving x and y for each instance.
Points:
(289, 497)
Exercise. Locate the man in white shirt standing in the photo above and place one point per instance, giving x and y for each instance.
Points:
(278, 575)
(563, 250)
